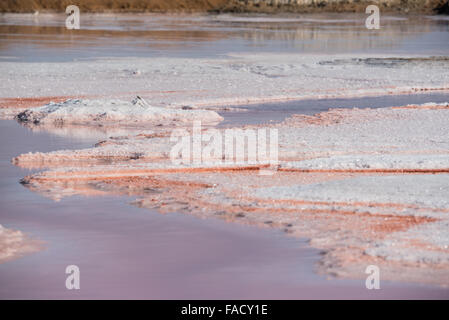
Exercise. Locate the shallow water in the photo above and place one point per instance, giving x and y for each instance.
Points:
(25, 37)
(276, 112)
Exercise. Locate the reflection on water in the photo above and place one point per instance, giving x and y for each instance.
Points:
(44, 37)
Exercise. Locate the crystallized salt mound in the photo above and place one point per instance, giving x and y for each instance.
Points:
(14, 243)
(80, 111)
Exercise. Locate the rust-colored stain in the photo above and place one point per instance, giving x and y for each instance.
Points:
(30, 102)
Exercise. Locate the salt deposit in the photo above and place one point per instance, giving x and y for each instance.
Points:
(424, 190)
(171, 81)
(116, 112)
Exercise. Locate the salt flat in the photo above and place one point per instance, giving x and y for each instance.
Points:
(177, 82)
